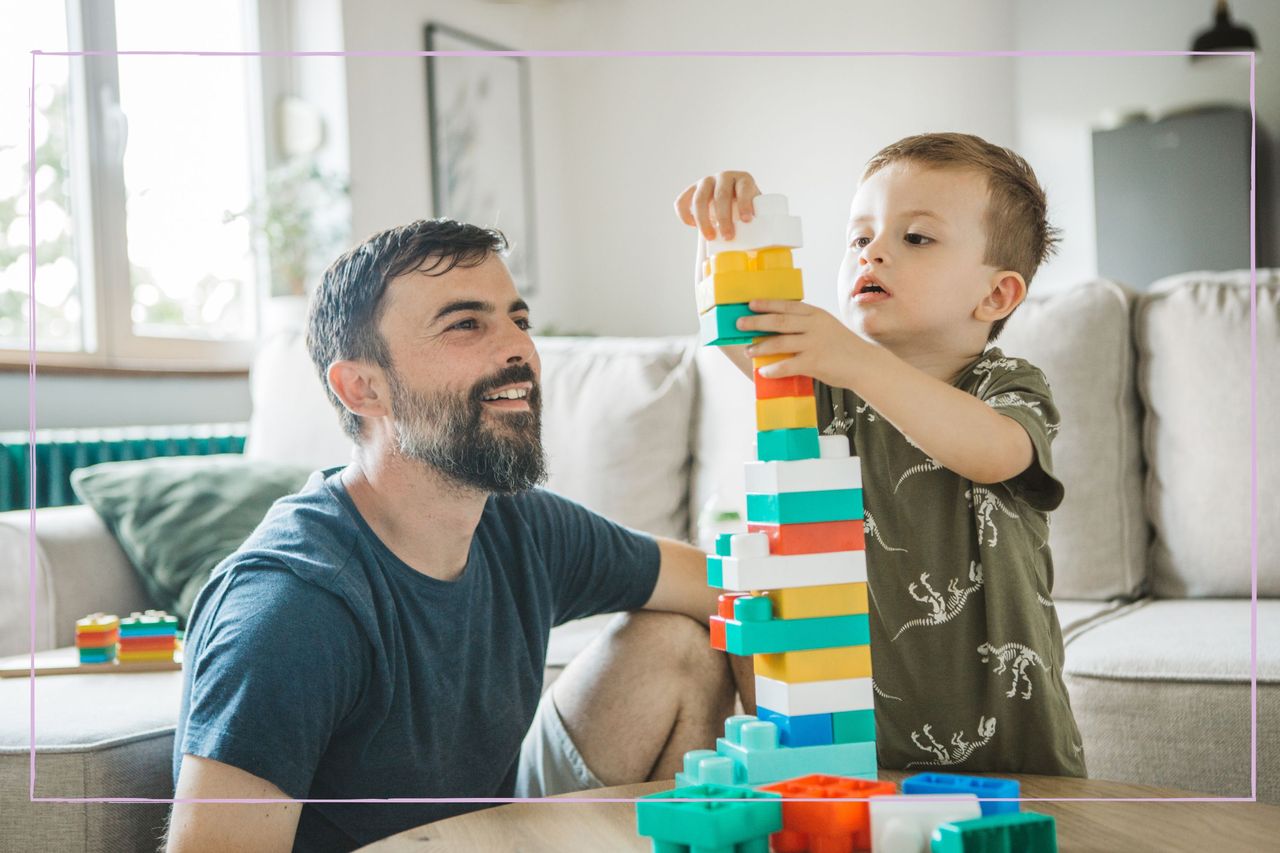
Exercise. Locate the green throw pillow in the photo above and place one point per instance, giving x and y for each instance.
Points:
(176, 517)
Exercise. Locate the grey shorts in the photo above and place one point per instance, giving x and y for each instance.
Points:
(550, 763)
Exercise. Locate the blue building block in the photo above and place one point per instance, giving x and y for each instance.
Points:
(759, 758)
(754, 631)
(805, 507)
(1020, 832)
(951, 783)
(784, 445)
(719, 326)
(705, 767)
(803, 730)
(741, 825)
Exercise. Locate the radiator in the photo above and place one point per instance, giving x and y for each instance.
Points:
(58, 452)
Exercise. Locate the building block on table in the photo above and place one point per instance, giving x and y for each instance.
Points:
(719, 326)
(805, 507)
(771, 226)
(1017, 832)
(759, 758)
(97, 623)
(148, 623)
(786, 413)
(816, 665)
(740, 286)
(839, 826)
(786, 444)
(724, 612)
(853, 726)
(981, 786)
(803, 475)
(708, 822)
(809, 602)
(715, 572)
(705, 767)
(906, 824)
(753, 630)
(814, 697)
(803, 730)
(97, 637)
(814, 537)
(775, 572)
(787, 386)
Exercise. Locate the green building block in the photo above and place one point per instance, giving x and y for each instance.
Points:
(705, 767)
(715, 572)
(719, 326)
(754, 631)
(805, 507)
(853, 726)
(733, 819)
(724, 544)
(1017, 832)
(786, 445)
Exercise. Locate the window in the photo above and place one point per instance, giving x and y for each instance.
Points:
(142, 162)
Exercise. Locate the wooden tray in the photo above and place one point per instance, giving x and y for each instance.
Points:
(66, 661)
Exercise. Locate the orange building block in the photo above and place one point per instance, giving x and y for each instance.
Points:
(816, 537)
(841, 826)
(724, 610)
(790, 386)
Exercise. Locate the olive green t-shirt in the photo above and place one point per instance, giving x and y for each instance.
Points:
(966, 649)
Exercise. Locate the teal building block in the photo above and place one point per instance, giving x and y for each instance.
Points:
(719, 326)
(982, 786)
(715, 572)
(741, 825)
(759, 758)
(854, 726)
(1019, 832)
(805, 507)
(724, 544)
(705, 767)
(786, 445)
(754, 631)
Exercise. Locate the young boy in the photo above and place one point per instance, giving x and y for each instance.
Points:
(945, 231)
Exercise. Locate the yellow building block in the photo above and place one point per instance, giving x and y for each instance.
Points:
(762, 360)
(786, 413)
(816, 664)
(812, 602)
(773, 258)
(732, 288)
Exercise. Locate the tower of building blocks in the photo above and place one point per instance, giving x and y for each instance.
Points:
(152, 635)
(96, 637)
(795, 581)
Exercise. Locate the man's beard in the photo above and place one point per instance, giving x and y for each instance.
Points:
(448, 432)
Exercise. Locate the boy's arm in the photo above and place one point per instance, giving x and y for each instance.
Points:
(955, 429)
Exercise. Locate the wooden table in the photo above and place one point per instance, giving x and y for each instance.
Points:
(1082, 826)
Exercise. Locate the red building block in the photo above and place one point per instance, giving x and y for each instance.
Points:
(814, 538)
(789, 386)
(840, 826)
(724, 610)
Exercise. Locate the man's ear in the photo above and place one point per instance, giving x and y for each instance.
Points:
(1005, 292)
(360, 387)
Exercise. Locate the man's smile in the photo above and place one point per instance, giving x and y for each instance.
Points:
(511, 397)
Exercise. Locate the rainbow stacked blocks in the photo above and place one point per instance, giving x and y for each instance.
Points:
(809, 633)
(96, 637)
(148, 636)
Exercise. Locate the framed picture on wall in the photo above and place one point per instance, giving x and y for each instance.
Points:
(481, 142)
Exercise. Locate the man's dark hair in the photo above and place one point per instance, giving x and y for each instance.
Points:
(345, 309)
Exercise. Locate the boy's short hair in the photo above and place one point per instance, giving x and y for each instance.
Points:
(1019, 236)
(342, 323)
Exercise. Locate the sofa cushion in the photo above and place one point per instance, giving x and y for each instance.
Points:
(1161, 692)
(1080, 339)
(1193, 338)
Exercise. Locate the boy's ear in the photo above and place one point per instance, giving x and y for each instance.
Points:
(359, 386)
(1005, 291)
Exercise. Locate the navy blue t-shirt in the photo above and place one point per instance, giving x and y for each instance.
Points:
(321, 662)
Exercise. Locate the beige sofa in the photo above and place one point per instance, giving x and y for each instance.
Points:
(1151, 546)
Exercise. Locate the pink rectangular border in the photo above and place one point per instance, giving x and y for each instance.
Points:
(1253, 375)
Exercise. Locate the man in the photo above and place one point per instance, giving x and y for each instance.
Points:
(383, 632)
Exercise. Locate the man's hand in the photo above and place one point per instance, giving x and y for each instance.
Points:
(231, 827)
(820, 345)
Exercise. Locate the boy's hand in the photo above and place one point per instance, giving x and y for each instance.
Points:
(822, 346)
(710, 202)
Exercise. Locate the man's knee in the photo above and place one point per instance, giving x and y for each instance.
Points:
(671, 638)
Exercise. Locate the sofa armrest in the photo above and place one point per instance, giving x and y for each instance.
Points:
(79, 569)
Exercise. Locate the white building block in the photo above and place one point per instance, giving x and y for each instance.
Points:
(803, 475)
(905, 824)
(814, 697)
(742, 574)
(772, 225)
(833, 446)
(749, 545)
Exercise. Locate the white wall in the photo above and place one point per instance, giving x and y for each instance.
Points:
(1059, 100)
(616, 138)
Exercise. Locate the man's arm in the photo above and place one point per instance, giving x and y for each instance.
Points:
(682, 588)
(228, 827)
